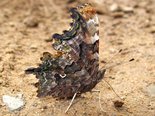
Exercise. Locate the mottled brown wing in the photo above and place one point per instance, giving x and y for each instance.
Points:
(75, 66)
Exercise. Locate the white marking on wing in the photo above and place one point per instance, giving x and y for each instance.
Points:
(94, 38)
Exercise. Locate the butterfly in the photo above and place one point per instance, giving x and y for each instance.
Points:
(75, 66)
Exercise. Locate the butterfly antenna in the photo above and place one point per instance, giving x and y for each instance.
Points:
(117, 64)
(112, 66)
(112, 58)
(112, 89)
(105, 67)
(99, 98)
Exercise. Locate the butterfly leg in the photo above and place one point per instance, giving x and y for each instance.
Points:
(71, 102)
(99, 99)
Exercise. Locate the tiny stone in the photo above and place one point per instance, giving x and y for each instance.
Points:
(111, 77)
(70, 1)
(1, 68)
(114, 7)
(31, 22)
(50, 39)
(0, 58)
(118, 104)
(127, 9)
(13, 103)
(12, 24)
(151, 90)
(111, 33)
(152, 29)
(1, 81)
(118, 14)
(33, 46)
(101, 10)
(102, 61)
(112, 50)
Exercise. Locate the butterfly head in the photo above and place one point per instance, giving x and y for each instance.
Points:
(87, 11)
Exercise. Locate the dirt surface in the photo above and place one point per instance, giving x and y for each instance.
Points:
(124, 24)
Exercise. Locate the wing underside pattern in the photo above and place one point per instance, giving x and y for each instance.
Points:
(75, 66)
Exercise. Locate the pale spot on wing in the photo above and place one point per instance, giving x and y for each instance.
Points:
(94, 38)
(91, 26)
(96, 55)
(96, 19)
(63, 76)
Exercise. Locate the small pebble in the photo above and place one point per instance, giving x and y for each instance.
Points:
(101, 10)
(151, 90)
(1, 68)
(117, 8)
(111, 77)
(114, 7)
(33, 46)
(118, 14)
(13, 103)
(70, 1)
(31, 22)
(127, 9)
(152, 29)
(118, 104)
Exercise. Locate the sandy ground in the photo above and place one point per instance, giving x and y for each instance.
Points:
(124, 24)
